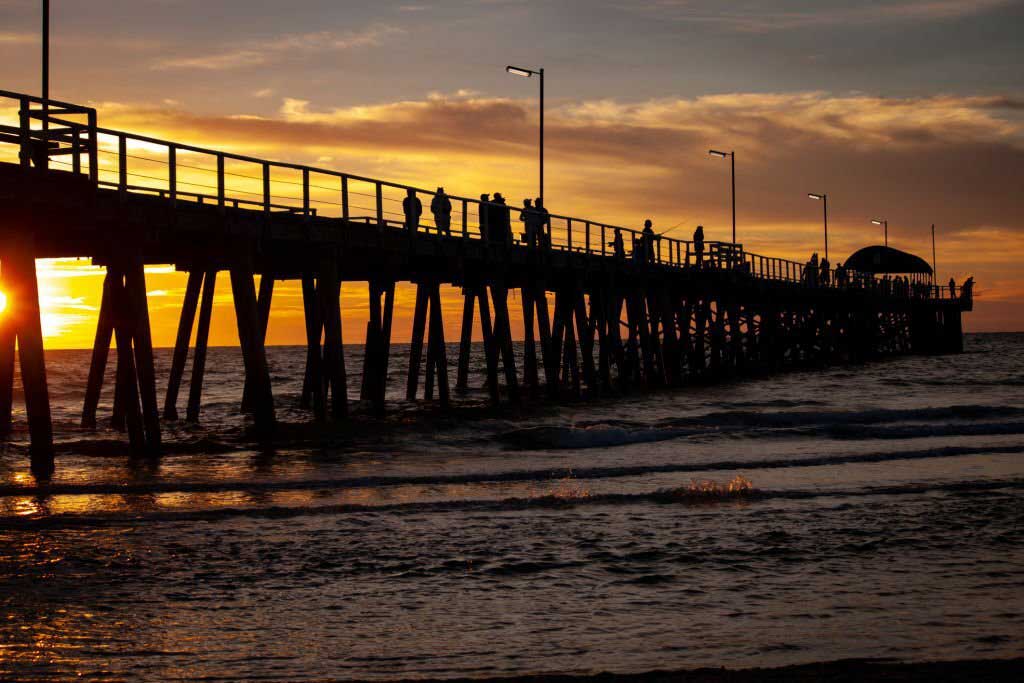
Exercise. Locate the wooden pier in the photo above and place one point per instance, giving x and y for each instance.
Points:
(595, 322)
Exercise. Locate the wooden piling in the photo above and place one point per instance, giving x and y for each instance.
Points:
(142, 344)
(503, 339)
(263, 303)
(195, 388)
(466, 338)
(313, 382)
(419, 322)
(329, 291)
(127, 390)
(185, 324)
(19, 273)
(490, 345)
(440, 355)
(530, 377)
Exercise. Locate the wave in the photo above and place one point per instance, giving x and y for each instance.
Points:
(661, 496)
(606, 434)
(515, 476)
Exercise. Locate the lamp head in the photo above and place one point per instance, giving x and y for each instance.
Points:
(877, 221)
(812, 195)
(716, 153)
(517, 71)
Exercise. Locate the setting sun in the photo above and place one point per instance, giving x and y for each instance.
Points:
(3, 302)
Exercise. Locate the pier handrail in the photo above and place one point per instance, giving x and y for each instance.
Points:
(58, 136)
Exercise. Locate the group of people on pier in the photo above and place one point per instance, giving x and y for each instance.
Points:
(495, 221)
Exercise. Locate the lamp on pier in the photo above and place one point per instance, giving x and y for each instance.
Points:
(883, 221)
(732, 158)
(823, 198)
(529, 73)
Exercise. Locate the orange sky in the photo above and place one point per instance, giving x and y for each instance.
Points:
(906, 134)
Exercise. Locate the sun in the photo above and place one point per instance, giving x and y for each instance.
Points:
(3, 302)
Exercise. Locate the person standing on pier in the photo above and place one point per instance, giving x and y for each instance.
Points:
(618, 248)
(698, 245)
(543, 222)
(441, 207)
(952, 288)
(648, 241)
(503, 220)
(528, 217)
(413, 208)
(484, 215)
(824, 276)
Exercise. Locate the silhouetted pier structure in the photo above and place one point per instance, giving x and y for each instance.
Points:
(617, 324)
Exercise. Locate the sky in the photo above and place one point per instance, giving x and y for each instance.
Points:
(911, 110)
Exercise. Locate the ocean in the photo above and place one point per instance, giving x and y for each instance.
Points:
(872, 511)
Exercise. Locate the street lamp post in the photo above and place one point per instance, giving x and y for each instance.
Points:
(529, 73)
(823, 198)
(885, 222)
(46, 50)
(732, 159)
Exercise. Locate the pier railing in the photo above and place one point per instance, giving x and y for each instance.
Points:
(59, 135)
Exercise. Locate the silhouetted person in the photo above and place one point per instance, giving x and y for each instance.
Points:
(531, 222)
(840, 275)
(484, 214)
(441, 207)
(967, 289)
(811, 271)
(413, 208)
(618, 247)
(824, 276)
(39, 150)
(698, 245)
(952, 287)
(648, 240)
(503, 219)
(543, 222)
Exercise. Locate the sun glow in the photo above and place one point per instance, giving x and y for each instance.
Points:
(3, 302)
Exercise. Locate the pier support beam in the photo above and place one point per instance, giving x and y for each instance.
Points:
(185, 324)
(100, 353)
(263, 302)
(257, 374)
(313, 382)
(377, 350)
(428, 298)
(335, 376)
(195, 388)
(19, 279)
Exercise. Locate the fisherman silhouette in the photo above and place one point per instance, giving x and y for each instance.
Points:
(698, 245)
(413, 208)
(967, 289)
(441, 207)
(618, 247)
(648, 240)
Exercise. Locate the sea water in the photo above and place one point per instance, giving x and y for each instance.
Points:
(858, 511)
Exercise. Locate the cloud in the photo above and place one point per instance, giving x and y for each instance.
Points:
(767, 17)
(945, 159)
(288, 46)
(8, 38)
